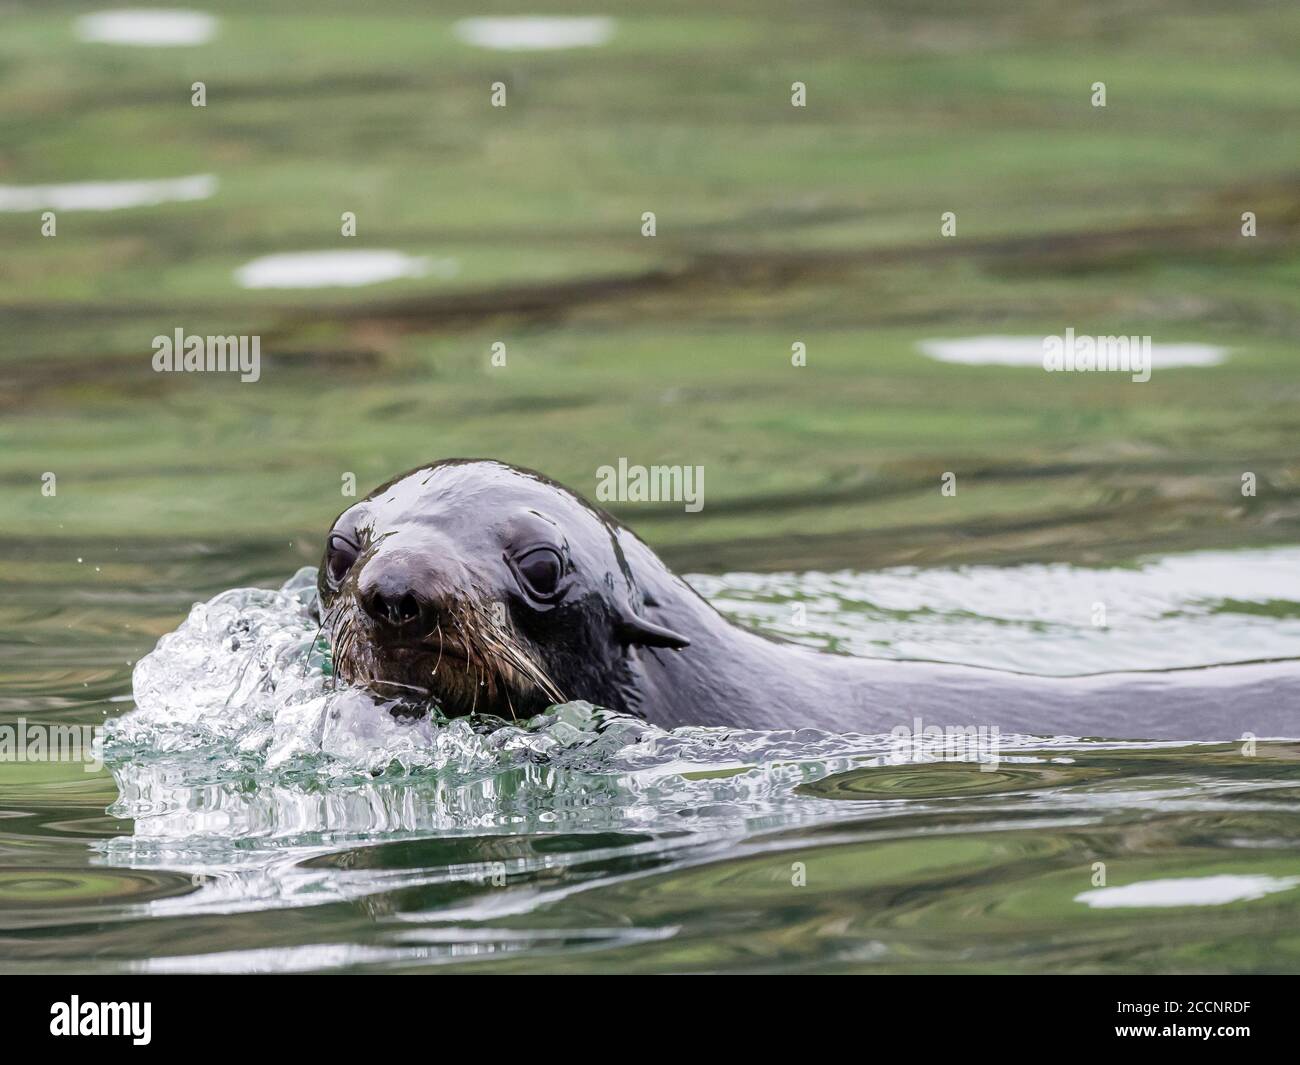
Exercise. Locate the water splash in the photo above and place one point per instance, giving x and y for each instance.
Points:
(245, 680)
(238, 705)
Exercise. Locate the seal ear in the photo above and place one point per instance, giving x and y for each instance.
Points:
(637, 559)
(633, 629)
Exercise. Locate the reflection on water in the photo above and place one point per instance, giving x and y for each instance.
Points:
(1028, 351)
(106, 195)
(1195, 609)
(1188, 891)
(255, 818)
(344, 269)
(156, 28)
(535, 33)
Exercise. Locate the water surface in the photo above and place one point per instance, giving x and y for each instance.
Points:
(253, 817)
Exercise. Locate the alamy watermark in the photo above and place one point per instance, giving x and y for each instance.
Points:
(920, 742)
(77, 1018)
(651, 484)
(208, 354)
(1079, 354)
(23, 741)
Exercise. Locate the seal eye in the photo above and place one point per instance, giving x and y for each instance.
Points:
(340, 556)
(540, 571)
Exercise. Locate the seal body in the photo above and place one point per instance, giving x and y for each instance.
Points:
(493, 589)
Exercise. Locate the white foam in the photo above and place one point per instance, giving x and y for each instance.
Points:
(326, 269)
(1187, 891)
(106, 195)
(1028, 351)
(535, 33)
(147, 27)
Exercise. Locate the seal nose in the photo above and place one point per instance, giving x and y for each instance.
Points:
(398, 610)
(390, 594)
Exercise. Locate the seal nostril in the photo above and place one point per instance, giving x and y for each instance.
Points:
(397, 610)
(408, 609)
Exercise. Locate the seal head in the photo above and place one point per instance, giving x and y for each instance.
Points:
(489, 588)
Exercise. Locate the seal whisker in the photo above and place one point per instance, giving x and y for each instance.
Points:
(397, 684)
(499, 649)
(324, 617)
(340, 658)
(345, 644)
(528, 667)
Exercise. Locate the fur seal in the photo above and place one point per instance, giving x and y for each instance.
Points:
(494, 589)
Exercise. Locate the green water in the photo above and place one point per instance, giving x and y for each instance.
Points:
(584, 846)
